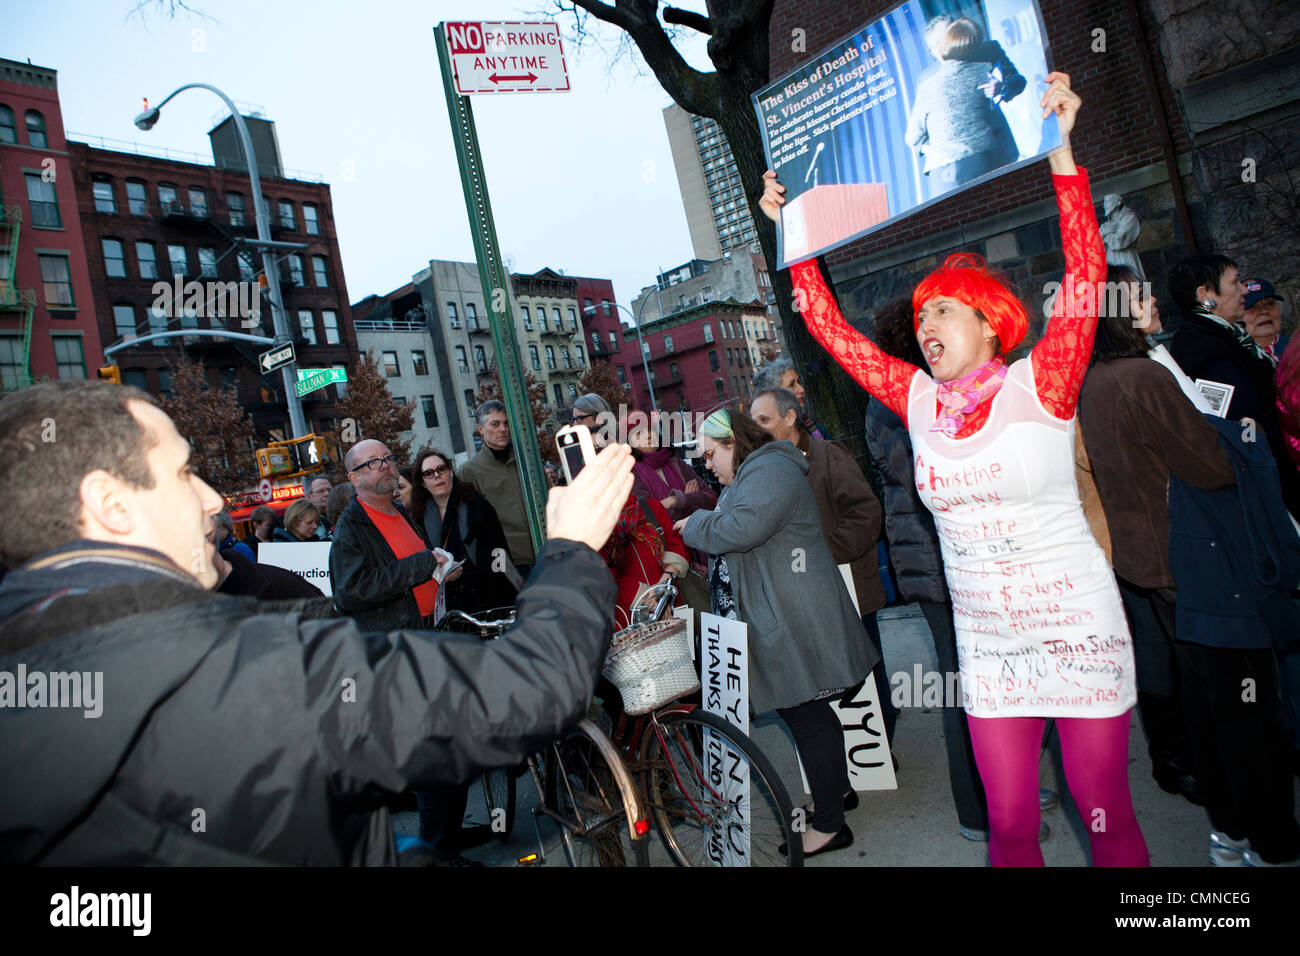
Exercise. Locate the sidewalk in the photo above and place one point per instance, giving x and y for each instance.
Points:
(916, 824)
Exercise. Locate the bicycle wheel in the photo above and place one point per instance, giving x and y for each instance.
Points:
(587, 786)
(499, 795)
(714, 796)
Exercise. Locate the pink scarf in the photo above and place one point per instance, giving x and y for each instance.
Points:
(647, 470)
(962, 396)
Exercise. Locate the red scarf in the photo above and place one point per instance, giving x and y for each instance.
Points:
(632, 525)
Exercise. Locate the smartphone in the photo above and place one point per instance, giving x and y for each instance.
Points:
(576, 449)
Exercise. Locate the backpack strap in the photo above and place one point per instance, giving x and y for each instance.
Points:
(650, 515)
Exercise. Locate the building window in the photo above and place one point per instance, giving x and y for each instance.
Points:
(461, 361)
(235, 205)
(469, 402)
(588, 308)
(69, 357)
(541, 318)
(286, 215)
(114, 258)
(391, 368)
(168, 198)
(207, 262)
(532, 357)
(573, 391)
(13, 368)
(420, 362)
(452, 318)
(668, 343)
(672, 370)
(124, 320)
(604, 304)
(56, 281)
(295, 270)
(247, 268)
(708, 332)
(8, 131)
(399, 400)
(157, 320)
(559, 321)
(308, 326)
(595, 340)
(309, 221)
(528, 319)
(198, 202)
(480, 358)
(179, 259)
(720, 387)
(645, 349)
(330, 319)
(622, 374)
(713, 360)
(564, 356)
(681, 400)
(430, 411)
(104, 201)
(559, 395)
(36, 137)
(573, 320)
(613, 340)
(471, 316)
(322, 276)
(578, 355)
(43, 199)
(550, 358)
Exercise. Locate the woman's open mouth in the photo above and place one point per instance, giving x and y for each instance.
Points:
(933, 350)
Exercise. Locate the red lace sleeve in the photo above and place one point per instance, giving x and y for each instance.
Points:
(1060, 358)
(881, 374)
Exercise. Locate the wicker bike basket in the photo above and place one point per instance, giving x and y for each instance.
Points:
(651, 665)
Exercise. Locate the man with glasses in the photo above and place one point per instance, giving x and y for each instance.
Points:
(494, 474)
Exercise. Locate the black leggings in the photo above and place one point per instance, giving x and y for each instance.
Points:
(820, 740)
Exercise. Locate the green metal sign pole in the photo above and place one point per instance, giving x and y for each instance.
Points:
(492, 273)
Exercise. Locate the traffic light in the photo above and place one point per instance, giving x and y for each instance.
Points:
(111, 373)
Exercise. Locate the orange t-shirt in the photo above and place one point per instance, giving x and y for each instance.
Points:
(404, 541)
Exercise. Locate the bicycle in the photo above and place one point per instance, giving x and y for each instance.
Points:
(582, 785)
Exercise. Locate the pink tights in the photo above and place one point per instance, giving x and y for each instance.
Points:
(1096, 768)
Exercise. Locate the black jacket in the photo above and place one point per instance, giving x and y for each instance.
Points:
(265, 581)
(370, 584)
(913, 542)
(471, 532)
(288, 733)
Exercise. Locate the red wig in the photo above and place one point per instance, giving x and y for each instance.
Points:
(966, 278)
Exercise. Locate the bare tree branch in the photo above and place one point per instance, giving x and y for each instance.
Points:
(688, 18)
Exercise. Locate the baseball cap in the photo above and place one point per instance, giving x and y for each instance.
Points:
(1257, 289)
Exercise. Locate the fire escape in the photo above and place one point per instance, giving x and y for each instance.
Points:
(13, 299)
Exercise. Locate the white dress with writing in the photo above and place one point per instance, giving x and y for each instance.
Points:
(1040, 628)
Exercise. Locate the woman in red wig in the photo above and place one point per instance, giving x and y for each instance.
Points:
(1040, 628)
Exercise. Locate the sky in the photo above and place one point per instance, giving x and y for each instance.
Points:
(581, 181)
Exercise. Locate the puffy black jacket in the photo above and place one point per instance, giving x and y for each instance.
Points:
(282, 734)
(369, 583)
(913, 542)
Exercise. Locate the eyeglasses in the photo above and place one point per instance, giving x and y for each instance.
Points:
(435, 472)
(374, 464)
(579, 418)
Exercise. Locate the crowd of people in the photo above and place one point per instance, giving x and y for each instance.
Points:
(1093, 524)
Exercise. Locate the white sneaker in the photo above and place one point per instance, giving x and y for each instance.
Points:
(1225, 851)
(1251, 858)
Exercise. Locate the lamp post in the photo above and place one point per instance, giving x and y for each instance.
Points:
(146, 121)
(645, 364)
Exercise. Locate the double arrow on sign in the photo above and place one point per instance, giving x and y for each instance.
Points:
(498, 78)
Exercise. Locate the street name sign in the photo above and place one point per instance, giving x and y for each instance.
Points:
(275, 358)
(507, 57)
(310, 379)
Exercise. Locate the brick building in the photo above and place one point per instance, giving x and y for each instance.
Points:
(48, 326)
(149, 222)
(598, 308)
(1180, 97)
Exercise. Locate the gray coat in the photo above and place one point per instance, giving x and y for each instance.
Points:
(804, 634)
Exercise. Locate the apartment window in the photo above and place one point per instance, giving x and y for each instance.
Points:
(124, 320)
(198, 202)
(310, 223)
(56, 281)
(469, 400)
(559, 395)
(69, 357)
(681, 400)
(391, 368)
(604, 304)
(399, 400)
(461, 361)
(322, 276)
(36, 137)
(672, 370)
(43, 199)
(157, 320)
(235, 205)
(708, 332)
(420, 362)
(528, 319)
(713, 360)
(430, 411)
(541, 318)
(564, 356)
(104, 201)
(13, 368)
(471, 316)
(295, 270)
(286, 215)
(595, 340)
(179, 259)
(168, 197)
(720, 387)
(573, 391)
(668, 343)
(578, 355)
(8, 131)
(307, 323)
(247, 268)
(480, 358)
(533, 358)
(613, 340)
(573, 320)
(330, 319)
(207, 262)
(645, 348)
(559, 321)
(550, 358)
(114, 258)
(452, 318)
(622, 374)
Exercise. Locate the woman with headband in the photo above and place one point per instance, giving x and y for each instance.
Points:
(774, 571)
(1040, 628)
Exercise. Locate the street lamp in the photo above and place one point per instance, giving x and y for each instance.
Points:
(636, 320)
(146, 121)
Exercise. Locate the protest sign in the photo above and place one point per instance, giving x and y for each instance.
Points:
(929, 99)
(309, 559)
(724, 679)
